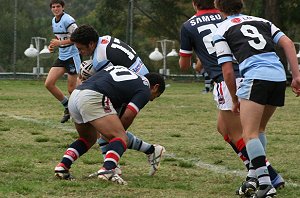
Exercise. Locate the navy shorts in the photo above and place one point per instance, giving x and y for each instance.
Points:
(263, 92)
(68, 64)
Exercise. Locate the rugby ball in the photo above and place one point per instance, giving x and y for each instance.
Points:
(86, 69)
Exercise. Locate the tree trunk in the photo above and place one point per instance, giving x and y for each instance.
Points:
(272, 14)
(272, 11)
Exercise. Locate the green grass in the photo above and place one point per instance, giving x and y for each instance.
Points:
(198, 163)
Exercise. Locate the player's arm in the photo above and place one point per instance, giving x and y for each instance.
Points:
(133, 108)
(66, 40)
(290, 52)
(229, 77)
(128, 117)
(184, 62)
(198, 66)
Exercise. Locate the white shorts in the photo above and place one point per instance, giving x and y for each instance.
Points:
(222, 95)
(87, 105)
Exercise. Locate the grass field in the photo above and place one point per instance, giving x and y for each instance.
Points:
(198, 163)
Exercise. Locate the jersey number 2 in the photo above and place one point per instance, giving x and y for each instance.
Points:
(207, 40)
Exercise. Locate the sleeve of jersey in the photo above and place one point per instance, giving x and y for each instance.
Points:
(68, 21)
(276, 33)
(133, 108)
(223, 51)
(139, 101)
(186, 48)
(99, 65)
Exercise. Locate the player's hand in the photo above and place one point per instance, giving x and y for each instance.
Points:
(296, 86)
(236, 107)
(55, 42)
(81, 78)
(51, 48)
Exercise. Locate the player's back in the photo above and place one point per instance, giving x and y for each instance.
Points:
(251, 41)
(112, 51)
(120, 85)
(196, 35)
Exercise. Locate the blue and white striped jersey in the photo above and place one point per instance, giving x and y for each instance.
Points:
(63, 30)
(250, 40)
(112, 51)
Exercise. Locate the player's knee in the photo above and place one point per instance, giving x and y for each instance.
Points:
(49, 85)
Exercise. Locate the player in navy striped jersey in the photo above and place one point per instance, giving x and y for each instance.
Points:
(68, 60)
(93, 106)
(251, 41)
(196, 36)
(106, 51)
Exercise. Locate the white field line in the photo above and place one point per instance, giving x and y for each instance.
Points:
(196, 162)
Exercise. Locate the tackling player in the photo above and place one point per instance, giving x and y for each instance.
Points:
(106, 51)
(93, 106)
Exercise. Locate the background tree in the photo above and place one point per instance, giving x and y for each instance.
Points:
(152, 20)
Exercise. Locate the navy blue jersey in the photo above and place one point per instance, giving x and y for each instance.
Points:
(196, 35)
(120, 85)
(251, 41)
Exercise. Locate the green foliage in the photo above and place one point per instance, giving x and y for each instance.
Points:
(153, 20)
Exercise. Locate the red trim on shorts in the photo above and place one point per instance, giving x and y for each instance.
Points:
(221, 89)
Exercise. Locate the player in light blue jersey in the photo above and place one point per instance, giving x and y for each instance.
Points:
(68, 59)
(250, 40)
(107, 50)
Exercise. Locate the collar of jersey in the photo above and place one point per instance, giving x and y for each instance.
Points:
(233, 16)
(210, 11)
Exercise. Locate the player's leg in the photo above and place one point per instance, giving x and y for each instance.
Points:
(54, 74)
(154, 152)
(233, 135)
(228, 124)
(111, 127)
(87, 137)
(277, 180)
(251, 115)
(72, 82)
